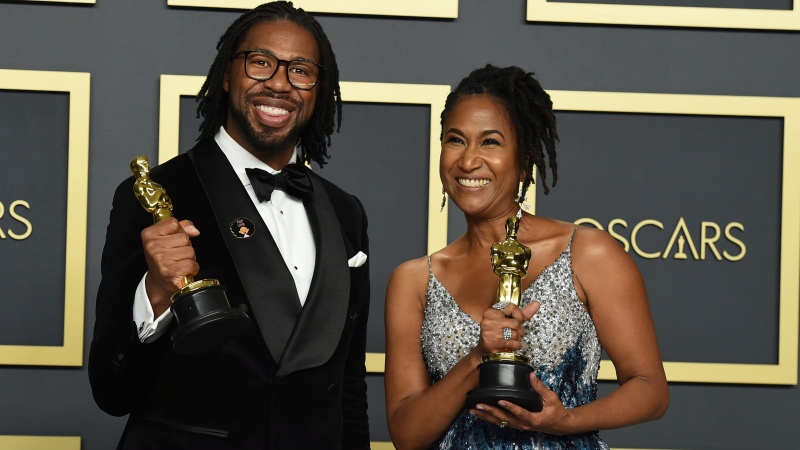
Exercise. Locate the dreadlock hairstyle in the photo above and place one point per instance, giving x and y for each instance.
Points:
(315, 138)
(530, 109)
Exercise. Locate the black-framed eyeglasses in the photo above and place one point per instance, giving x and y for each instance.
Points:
(262, 65)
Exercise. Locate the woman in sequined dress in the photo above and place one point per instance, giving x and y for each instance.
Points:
(581, 289)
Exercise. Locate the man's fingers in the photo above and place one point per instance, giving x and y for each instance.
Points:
(173, 242)
(185, 268)
(189, 228)
(166, 227)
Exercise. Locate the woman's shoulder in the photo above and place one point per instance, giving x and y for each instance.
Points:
(593, 243)
(412, 268)
(598, 256)
(407, 286)
(410, 275)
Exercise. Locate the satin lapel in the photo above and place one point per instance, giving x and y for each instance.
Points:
(267, 281)
(319, 328)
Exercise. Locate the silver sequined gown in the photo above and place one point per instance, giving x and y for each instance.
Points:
(561, 342)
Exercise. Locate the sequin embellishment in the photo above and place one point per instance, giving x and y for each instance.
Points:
(560, 340)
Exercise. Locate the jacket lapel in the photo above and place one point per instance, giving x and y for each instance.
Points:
(321, 322)
(267, 281)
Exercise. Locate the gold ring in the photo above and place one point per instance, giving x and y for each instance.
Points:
(503, 424)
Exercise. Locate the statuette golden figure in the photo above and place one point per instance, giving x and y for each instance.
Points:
(151, 195)
(510, 262)
(201, 308)
(504, 375)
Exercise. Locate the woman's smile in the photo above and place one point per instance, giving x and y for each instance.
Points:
(473, 182)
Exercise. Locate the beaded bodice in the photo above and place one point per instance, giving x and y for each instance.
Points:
(560, 340)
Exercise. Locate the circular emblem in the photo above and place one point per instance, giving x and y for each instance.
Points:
(242, 228)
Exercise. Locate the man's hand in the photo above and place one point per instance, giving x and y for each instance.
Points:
(170, 257)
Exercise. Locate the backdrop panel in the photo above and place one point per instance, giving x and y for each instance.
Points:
(718, 186)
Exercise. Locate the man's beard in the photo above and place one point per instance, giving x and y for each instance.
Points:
(267, 143)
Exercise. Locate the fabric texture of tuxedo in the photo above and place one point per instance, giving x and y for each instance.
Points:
(294, 380)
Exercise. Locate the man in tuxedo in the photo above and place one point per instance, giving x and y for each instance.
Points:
(296, 378)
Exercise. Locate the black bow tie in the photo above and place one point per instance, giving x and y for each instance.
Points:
(293, 180)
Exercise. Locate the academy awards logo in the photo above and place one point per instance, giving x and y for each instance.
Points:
(12, 223)
(700, 240)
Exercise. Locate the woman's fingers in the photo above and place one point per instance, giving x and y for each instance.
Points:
(502, 326)
(529, 310)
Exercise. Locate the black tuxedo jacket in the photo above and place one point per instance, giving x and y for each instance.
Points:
(294, 380)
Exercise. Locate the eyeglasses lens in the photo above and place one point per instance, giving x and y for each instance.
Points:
(262, 66)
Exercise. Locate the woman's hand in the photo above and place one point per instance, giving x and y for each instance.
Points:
(554, 418)
(494, 322)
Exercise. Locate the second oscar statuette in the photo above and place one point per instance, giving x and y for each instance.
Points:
(201, 308)
(506, 375)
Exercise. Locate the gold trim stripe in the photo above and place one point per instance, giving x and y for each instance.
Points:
(419, 94)
(77, 85)
(785, 372)
(64, 1)
(41, 442)
(443, 9)
(666, 16)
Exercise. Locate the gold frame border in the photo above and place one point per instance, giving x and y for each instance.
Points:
(441, 9)
(785, 372)
(41, 442)
(664, 16)
(77, 84)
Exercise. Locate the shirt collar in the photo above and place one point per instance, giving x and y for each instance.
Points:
(240, 159)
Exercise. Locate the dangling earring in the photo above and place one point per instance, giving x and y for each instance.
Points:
(521, 197)
(444, 199)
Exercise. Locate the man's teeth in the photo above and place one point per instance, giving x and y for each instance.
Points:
(271, 110)
(468, 182)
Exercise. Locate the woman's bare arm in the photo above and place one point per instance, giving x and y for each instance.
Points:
(610, 284)
(418, 412)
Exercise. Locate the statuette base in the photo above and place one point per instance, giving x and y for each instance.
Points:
(205, 318)
(507, 380)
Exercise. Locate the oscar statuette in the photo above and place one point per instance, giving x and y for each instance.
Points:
(201, 308)
(506, 375)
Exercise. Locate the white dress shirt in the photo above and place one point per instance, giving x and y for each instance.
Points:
(285, 218)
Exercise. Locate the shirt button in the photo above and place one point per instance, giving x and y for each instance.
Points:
(281, 212)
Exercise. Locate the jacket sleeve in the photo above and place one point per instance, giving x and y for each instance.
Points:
(355, 433)
(121, 368)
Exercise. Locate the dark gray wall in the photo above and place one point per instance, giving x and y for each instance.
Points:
(630, 166)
